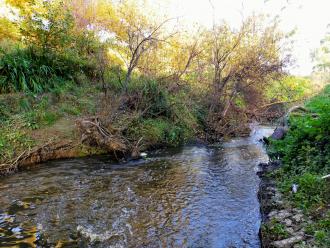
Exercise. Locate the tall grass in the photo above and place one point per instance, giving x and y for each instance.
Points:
(30, 71)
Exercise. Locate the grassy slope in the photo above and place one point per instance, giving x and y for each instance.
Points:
(29, 120)
(153, 114)
(305, 153)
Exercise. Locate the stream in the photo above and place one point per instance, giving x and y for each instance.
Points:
(194, 196)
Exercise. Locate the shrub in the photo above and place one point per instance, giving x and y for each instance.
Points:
(306, 147)
(159, 132)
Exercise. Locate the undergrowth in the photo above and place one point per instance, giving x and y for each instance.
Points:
(23, 113)
(305, 152)
(165, 118)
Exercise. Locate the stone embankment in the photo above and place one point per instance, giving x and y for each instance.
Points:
(282, 225)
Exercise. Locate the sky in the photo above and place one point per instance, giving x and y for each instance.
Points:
(309, 17)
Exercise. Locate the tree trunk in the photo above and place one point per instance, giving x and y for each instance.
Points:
(128, 78)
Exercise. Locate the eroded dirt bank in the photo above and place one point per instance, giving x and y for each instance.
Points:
(86, 137)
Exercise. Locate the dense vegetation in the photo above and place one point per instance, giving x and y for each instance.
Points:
(305, 152)
(145, 77)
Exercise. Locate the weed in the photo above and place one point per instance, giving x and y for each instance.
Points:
(274, 230)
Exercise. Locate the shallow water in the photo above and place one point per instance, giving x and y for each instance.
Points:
(196, 196)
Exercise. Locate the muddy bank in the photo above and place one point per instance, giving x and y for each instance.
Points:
(49, 151)
(90, 138)
(283, 226)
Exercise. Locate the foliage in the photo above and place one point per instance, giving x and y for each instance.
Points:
(273, 230)
(312, 193)
(53, 49)
(289, 88)
(27, 70)
(305, 152)
(306, 147)
(34, 111)
(321, 231)
(50, 28)
(117, 42)
(8, 30)
(322, 54)
(23, 115)
(160, 132)
(11, 141)
(166, 118)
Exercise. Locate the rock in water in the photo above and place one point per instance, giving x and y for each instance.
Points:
(279, 133)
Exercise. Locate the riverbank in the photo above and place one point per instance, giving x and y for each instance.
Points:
(76, 120)
(283, 225)
(295, 190)
(80, 120)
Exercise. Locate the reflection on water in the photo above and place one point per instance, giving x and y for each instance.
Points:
(193, 197)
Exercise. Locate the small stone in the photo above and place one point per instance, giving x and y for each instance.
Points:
(302, 245)
(298, 217)
(286, 243)
(298, 211)
(282, 215)
(272, 189)
(287, 222)
(290, 230)
(16, 230)
(279, 133)
(272, 213)
(277, 196)
(143, 154)
(279, 203)
(263, 165)
(269, 194)
(296, 228)
(301, 232)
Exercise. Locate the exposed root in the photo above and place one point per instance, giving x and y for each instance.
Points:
(43, 153)
(93, 133)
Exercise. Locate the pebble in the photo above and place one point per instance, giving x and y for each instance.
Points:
(289, 242)
(282, 215)
(287, 222)
(298, 217)
(273, 213)
(290, 230)
(16, 230)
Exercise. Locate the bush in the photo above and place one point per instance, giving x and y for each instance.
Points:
(168, 118)
(159, 132)
(306, 147)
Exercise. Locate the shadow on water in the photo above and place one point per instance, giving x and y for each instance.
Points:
(196, 196)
